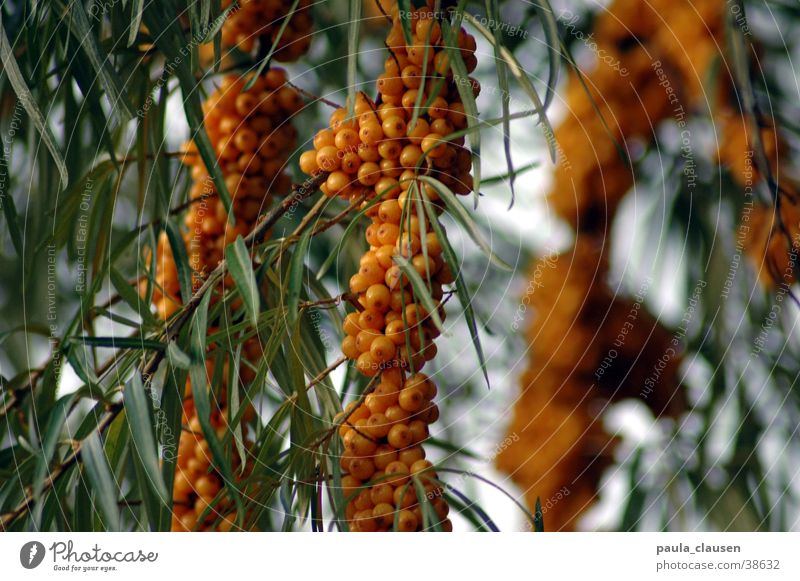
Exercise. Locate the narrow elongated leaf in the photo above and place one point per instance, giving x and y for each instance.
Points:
(181, 259)
(132, 298)
(519, 73)
(462, 216)
(50, 437)
(78, 22)
(296, 270)
(9, 207)
(461, 290)
(102, 483)
(421, 291)
(137, 409)
(352, 54)
(240, 266)
(11, 68)
(137, 9)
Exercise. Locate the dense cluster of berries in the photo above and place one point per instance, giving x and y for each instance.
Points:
(377, 157)
(261, 20)
(588, 349)
(197, 502)
(253, 141)
(585, 349)
(647, 74)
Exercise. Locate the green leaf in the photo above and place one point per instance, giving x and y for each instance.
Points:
(295, 275)
(137, 411)
(354, 22)
(136, 22)
(240, 266)
(168, 36)
(519, 73)
(177, 357)
(78, 22)
(421, 290)
(50, 437)
(9, 207)
(11, 68)
(132, 298)
(461, 290)
(181, 259)
(463, 217)
(101, 481)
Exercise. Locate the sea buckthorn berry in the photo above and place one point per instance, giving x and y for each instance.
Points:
(411, 455)
(365, 338)
(390, 211)
(407, 522)
(417, 131)
(338, 183)
(383, 513)
(411, 399)
(377, 425)
(384, 255)
(390, 168)
(389, 149)
(350, 162)
(371, 133)
(367, 365)
(439, 108)
(384, 455)
(396, 473)
(382, 349)
(404, 497)
(362, 468)
(378, 297)
(350, 324)
(369, 173)
(371, 319)
(394, 127)
(368, 153)
(346, 138)
(396, 415)
(390, 84)
(323, 138)
(410, 155)
(400, 435)
(419, 431)
(349, 348)
(381, 493)
(328, 158)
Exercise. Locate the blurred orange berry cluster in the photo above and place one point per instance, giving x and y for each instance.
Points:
(589, 347)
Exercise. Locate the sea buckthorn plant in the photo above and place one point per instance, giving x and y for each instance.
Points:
(263, 262)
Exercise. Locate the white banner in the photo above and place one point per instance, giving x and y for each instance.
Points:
(264, 556)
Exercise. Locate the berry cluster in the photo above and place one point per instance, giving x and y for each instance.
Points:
(588, 348)
(253, 141)
(197, 503)
(377, 157)
(261, 20)
(585, 349)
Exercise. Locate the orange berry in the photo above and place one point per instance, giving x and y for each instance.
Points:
(411, 399)
(367, 365)
(328, 158)
(407, 522)
(396, 473)
(384, 455)
(399, 435)
(377, 425)
(382, 349)
(369, 173)
(362, 468)
(349, 348)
